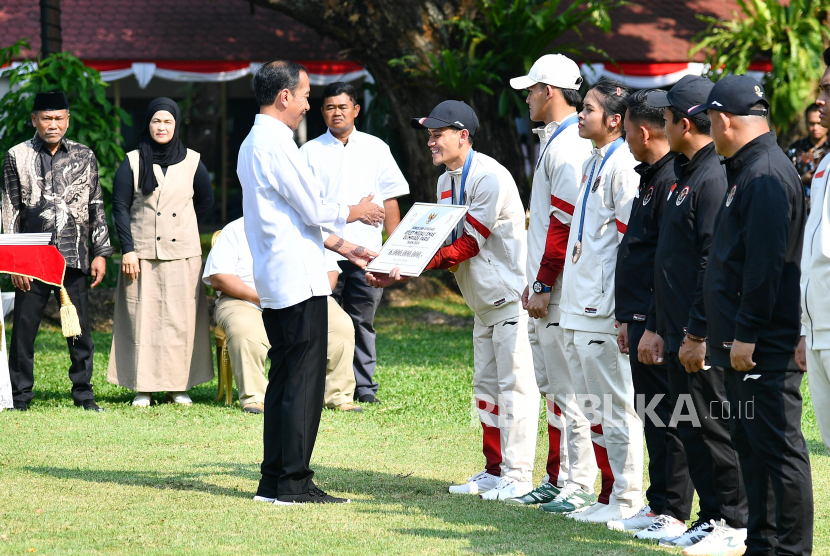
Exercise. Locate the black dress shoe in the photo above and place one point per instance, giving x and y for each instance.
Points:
(89, 405)
(20, 406)
(368, 398)
(313, 496)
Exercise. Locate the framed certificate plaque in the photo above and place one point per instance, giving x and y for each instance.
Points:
(417, 238)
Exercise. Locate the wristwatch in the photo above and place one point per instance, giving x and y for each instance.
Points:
(539, 287)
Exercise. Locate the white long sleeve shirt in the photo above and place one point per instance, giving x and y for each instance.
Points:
(285, 214)
(363, 166)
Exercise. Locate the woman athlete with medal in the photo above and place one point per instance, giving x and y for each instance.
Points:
(601, 374)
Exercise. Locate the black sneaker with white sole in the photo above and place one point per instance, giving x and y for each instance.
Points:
(313, 496)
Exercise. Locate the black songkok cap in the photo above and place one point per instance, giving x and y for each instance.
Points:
(55, 100)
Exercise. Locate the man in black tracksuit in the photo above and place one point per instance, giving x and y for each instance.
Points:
(751, 296)
(682, 251)
(670, 491)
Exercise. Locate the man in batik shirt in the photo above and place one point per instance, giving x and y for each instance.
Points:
(50, 184)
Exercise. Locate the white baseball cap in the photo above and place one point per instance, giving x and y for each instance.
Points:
(551, 69)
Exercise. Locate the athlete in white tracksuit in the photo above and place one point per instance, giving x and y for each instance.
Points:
(487, 252)
(601, 374)
(553, 84)
(492, 282)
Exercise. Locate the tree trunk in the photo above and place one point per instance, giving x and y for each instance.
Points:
(376, 31)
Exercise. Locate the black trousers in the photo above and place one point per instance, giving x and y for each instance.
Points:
(294, 397)
(28, 312)
(713, 461)
(765, 424)
(670, 491)
(360, 301)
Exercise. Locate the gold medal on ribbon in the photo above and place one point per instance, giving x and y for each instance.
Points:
(577, 252)
(453, 268)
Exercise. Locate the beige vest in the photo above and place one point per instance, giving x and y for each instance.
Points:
(163, 224)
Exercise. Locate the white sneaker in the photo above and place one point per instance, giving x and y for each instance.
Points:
(507, 488)
(180, 398)
(722, 541)
(264, 499)
(693, 535)
(663, 526)
(611, 512)
(585, 514)
(477, 484)
(639, 521)
(143, 399)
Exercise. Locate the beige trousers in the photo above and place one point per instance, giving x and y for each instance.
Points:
(570, 452)
(247, 345)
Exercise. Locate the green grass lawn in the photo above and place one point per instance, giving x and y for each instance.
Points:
(169, 480)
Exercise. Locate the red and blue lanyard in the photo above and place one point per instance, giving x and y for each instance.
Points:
(614, 146)
(566, 123)
(467, 163)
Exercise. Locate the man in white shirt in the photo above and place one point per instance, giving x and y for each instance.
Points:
(229, 269)
(285, 219)
(553, 98)
(353, 165)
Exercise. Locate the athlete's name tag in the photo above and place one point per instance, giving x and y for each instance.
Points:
(417, 238)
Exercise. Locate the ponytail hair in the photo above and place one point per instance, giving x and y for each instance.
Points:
(612, 97)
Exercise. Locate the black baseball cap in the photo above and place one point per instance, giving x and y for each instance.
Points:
(735, 94)
(450, 113)
(688, 93)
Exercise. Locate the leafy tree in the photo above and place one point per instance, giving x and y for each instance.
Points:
(421, 52)
(95, 121)
(793, 37)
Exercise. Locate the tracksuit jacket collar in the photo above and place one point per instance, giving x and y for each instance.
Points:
(748, 153)
(648, 171)
(684, 166)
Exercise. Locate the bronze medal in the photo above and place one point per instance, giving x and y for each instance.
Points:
(453, 268)
(577, 252)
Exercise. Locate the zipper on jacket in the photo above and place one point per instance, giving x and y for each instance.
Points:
(807, 306)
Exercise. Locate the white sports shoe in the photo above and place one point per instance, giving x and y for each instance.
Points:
(478, 483)
(611, 512)
(180, 398)
(722, 541)
(639, 521)
(585, 514)
(143, 399)
(662, 527)
(507, 488)
(693, 535)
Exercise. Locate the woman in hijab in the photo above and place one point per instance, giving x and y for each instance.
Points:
(160, 333)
